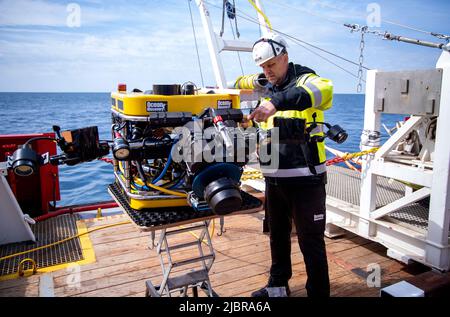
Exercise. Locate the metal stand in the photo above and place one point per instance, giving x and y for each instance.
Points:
(191, 280)
(424, 96)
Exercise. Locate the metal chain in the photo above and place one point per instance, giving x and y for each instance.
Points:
(361, 59)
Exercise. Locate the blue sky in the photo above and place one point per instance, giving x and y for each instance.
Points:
(146, 42)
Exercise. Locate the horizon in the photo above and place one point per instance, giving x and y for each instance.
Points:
(89, 46)
(109, 92)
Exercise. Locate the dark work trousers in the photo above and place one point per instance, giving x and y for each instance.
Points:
(305, 204)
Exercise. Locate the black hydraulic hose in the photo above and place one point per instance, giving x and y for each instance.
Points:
(38, 138)
(175, 181)
(141, 171)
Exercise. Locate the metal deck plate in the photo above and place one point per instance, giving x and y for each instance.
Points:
(46, 232)
(344, 184)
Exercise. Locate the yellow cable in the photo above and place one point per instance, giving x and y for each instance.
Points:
(213, 228)
(262, 13)
(158, 188)
(167, 191)
(138, 181)
(62, 241)
(121, 169)
(211, 234)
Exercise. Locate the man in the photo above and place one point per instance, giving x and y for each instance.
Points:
(296, 189)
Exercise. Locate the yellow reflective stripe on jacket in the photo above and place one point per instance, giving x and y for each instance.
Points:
(267, 125)
(308, 115)
(319, 89)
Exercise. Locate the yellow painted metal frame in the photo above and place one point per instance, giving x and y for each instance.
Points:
(86, 247)
(138, 204)
(136, 104)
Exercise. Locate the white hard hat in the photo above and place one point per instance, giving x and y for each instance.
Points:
(268, 47)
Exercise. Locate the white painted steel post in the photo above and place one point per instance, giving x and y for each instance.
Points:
(372, 121)
(265, 30)
(216, 45)
(213, 46)
(437, 250)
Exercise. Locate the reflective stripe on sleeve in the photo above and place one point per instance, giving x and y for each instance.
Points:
(292, 172)
(317, 94)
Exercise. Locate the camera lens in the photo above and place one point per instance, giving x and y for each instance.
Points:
(121, 149)
(223, 196)
(337, 134)
(25, 161)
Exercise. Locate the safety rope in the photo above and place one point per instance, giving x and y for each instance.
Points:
(252, 175)
(349, 156)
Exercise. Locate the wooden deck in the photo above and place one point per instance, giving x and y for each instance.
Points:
(124, 263)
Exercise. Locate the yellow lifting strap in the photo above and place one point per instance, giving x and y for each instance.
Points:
(262, 13)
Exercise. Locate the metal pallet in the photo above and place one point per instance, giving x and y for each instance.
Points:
(46, 232)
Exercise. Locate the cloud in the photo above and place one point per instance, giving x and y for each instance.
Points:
(50, 14)
(145, 42)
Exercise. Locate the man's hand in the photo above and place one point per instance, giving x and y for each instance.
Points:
(245, 123)
(263, 112)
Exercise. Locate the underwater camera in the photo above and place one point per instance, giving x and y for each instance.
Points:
(335, 133)
(79, 145)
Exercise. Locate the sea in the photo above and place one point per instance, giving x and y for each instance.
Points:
(24, 113)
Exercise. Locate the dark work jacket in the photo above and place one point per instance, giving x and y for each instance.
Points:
(287, 96)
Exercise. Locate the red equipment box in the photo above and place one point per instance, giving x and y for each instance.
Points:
(35, 192)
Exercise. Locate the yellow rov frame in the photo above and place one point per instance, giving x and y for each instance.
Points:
(138, 104)
(139, 107)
